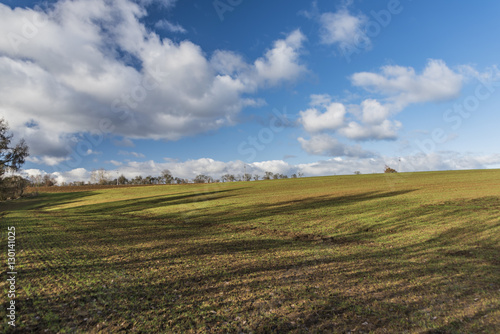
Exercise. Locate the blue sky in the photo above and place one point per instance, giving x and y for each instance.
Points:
(214, 87)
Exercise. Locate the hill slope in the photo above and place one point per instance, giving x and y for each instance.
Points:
(367, 253)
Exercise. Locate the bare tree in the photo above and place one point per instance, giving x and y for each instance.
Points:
(99, 176)
(228, 178)
(36, 180)
(203, 179)
(167, 176)
(268, 176)
(48, 180)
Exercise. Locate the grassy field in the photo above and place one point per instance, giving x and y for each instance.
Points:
(412, 252)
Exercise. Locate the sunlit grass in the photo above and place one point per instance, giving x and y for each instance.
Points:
(412, 252)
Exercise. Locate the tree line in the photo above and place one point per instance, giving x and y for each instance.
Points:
(102, 177)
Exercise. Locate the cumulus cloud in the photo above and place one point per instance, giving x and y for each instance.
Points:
(373, 112)
(282, 61)
(343, 28)
(86, 63)
(367, 121)
(397, 86)
(337, 165)
(385, 130)
(315, 121)
(414, 163)
(326, 145)
(403, 86)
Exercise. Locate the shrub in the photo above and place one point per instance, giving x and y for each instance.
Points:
(12, 187)
(389, 170)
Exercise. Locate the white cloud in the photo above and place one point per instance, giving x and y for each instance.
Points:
(114, 162)
(315, 121)
(134, 154)
(413, 163)
(90, 151)
(282, 61)
(338, 165)
(275, 166)
(373, 112)
(320, 100)
(326, 145)
(386, 130)
(163, 3)
(403, 86)
(46, 160)
(373, 123)
(169, 26)
(343, 28)
(491, 74)
(399, 86)
(73, 73)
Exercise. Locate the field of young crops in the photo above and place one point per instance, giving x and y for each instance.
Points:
(410, 252)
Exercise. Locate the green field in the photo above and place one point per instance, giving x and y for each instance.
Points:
(411, 252)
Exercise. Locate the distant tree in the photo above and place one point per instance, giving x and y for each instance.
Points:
(228, 178)
(276, 176)
(300, 174)
(36, 180)
(357, 172)
(247, 177)
(122, 179)
(137, 180)
(99, 176)
(268, 175)
(388, 169)
(294, 176)
(167, 176)
(48, 180)
(202, 179)
(256, 177)
(149, 179)
(179, 180)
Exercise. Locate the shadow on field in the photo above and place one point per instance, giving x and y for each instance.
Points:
(127, 206)
(286, 208)
(199, 288)
(44, 200)
(102, 266)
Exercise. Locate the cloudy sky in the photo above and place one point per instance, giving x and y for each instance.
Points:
(214, 87)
